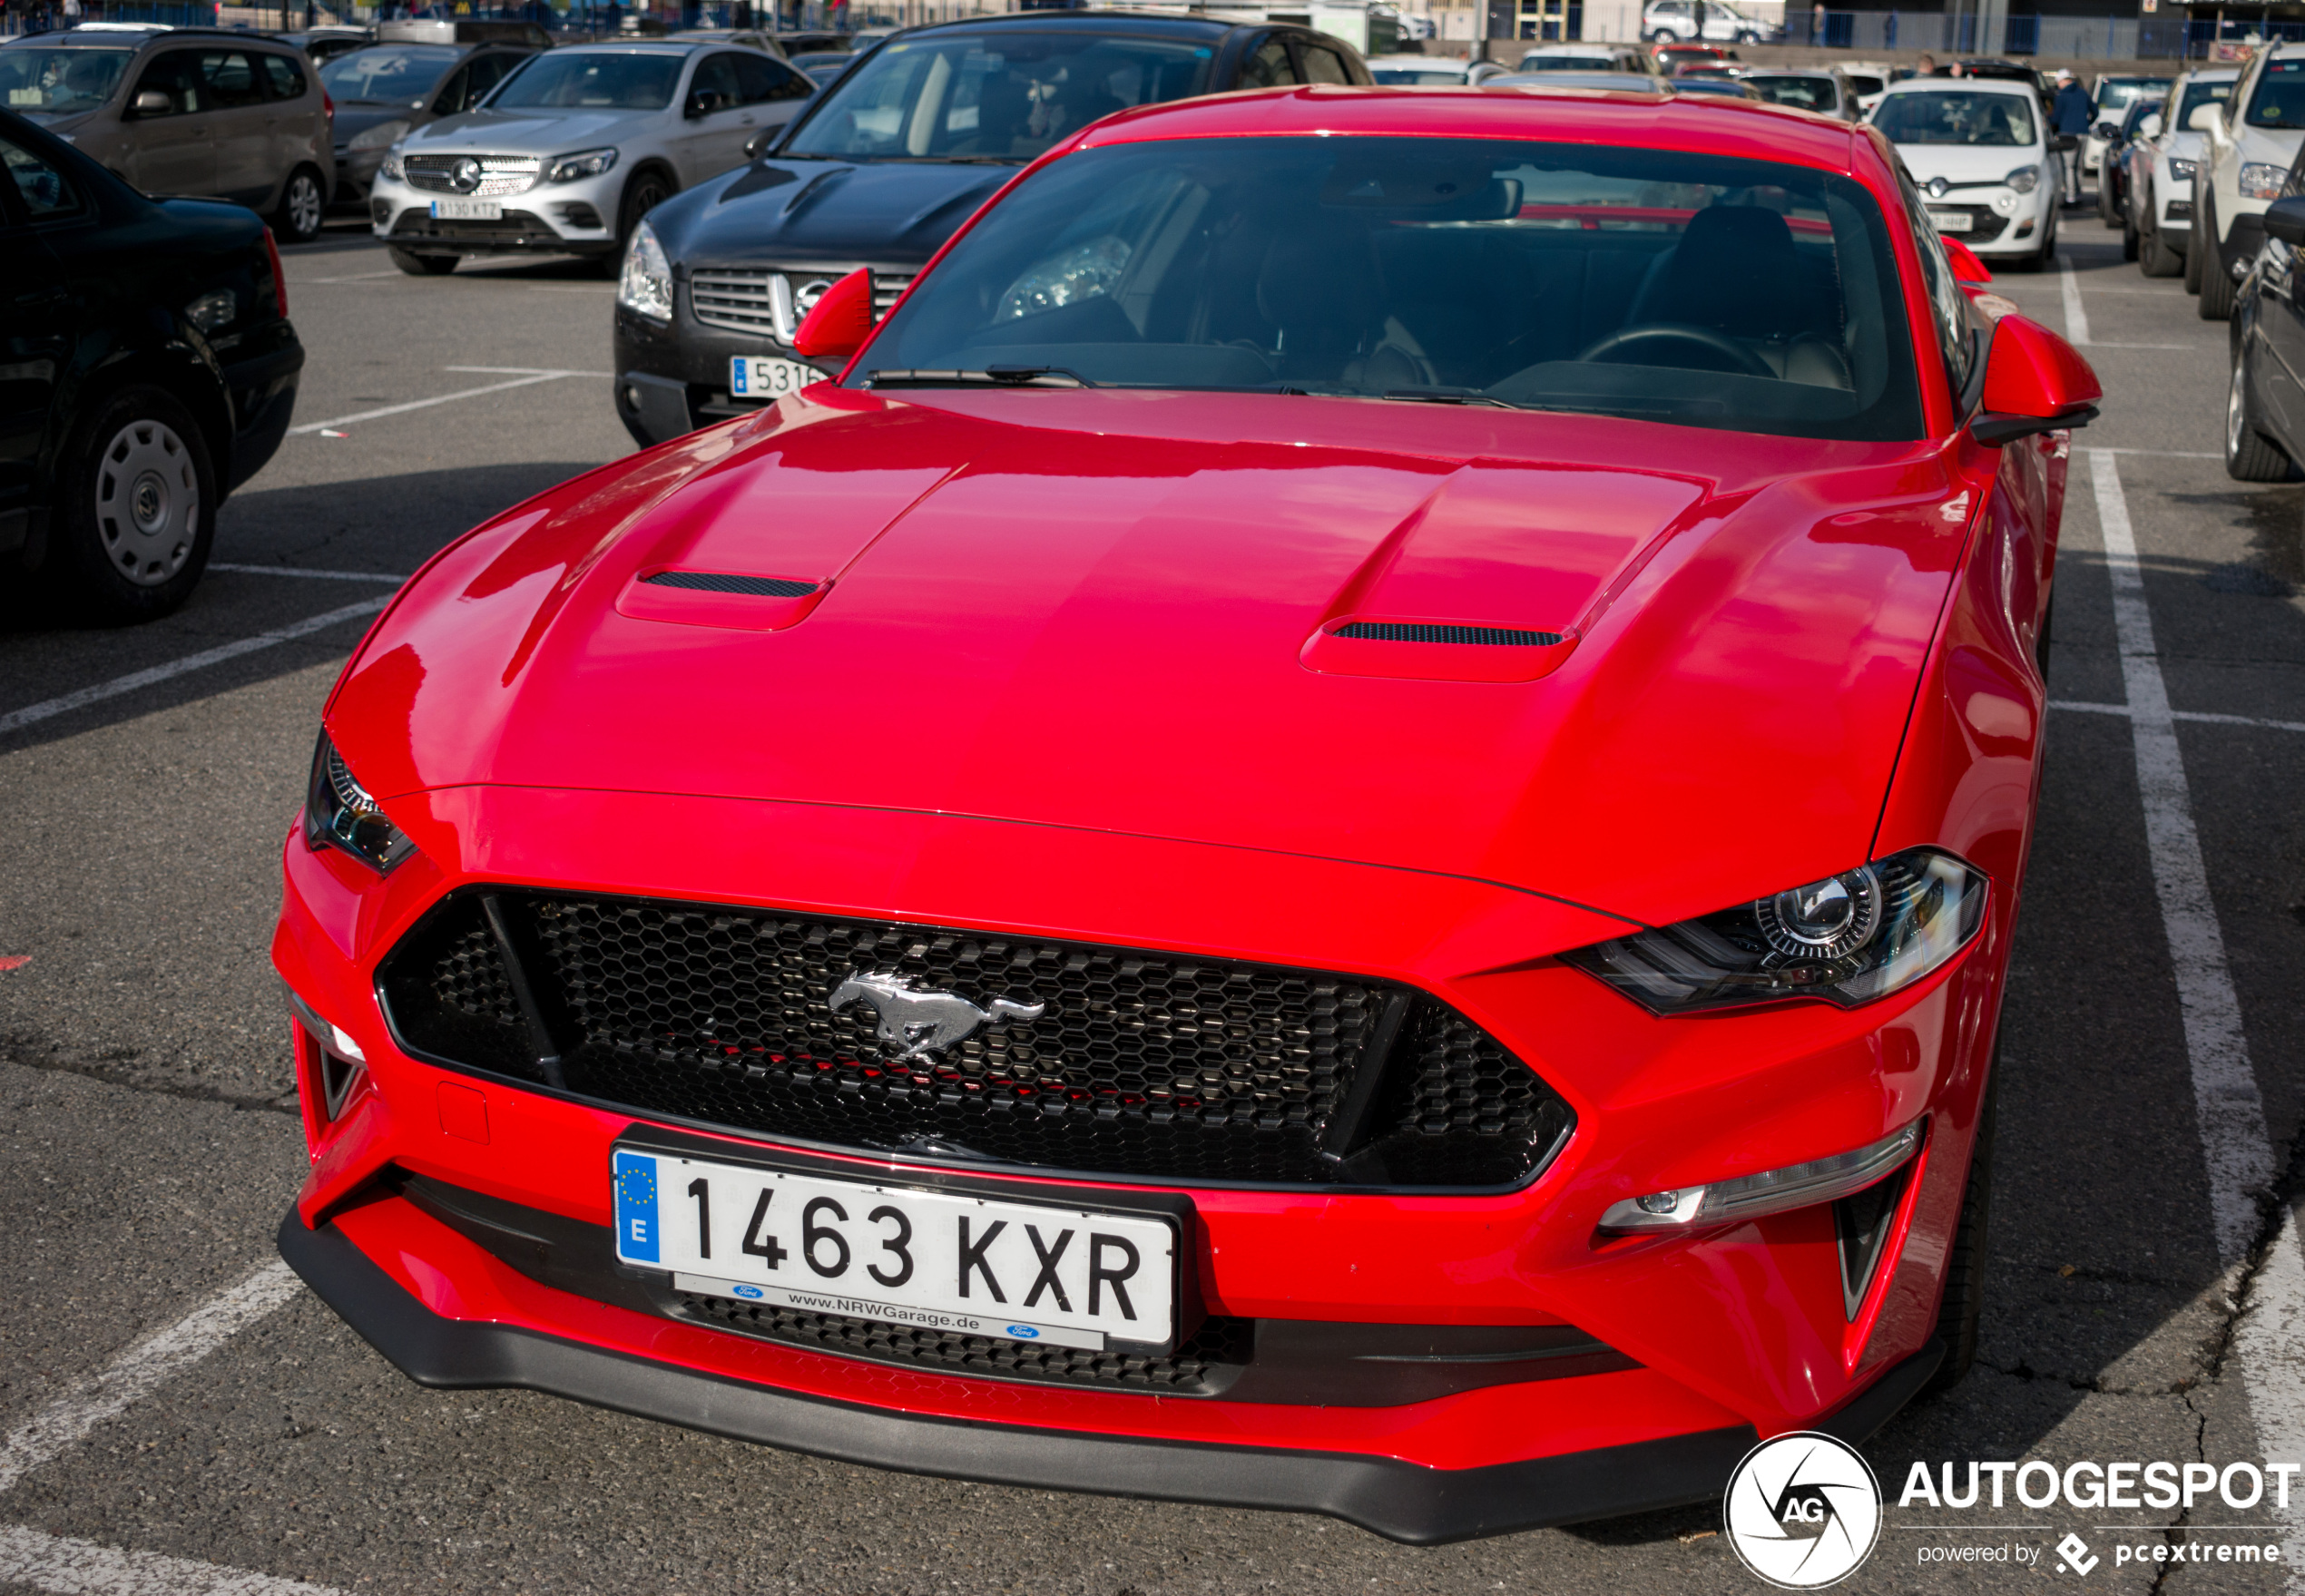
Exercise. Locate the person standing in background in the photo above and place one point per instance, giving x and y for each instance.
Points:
(2069, 120)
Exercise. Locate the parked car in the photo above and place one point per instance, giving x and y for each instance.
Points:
(1701, 82)
(878, 171)
(1979, 148)
(382, 90)
(793, 44)
(2160, 172)
(1142, 1078)
(2248, 144)
(1624, 82)
(1432, 70)
(2112, 96)
(2112, 170)
(599, 135)
(753, 38)
(322, 44)
(1674, 59)
(2265, 421)
(823, 65)
(1867, 79)
(1584, 58)
(184, 111)
(152, 370)
(1821, 89)
(1665, 22)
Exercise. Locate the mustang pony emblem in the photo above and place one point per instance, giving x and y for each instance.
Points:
(914, 1022)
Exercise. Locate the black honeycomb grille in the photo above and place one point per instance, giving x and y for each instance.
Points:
(1202, 1365)
(1136, 1065)
(1419, 632)
(716, 582)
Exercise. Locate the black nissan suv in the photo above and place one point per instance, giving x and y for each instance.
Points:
(881, 169)
(147, 368)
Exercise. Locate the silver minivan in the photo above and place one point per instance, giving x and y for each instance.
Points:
(184, 111)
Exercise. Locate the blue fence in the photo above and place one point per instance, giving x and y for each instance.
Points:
(2157, 37)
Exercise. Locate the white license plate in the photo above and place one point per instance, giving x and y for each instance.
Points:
(468, 210)
(766, 377)
(898, 1254)
(1949, 221)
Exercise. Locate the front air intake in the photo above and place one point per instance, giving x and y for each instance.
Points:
(1412, 631)
(717, 581)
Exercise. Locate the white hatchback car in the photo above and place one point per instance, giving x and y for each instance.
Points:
(1978, 149)
(571, 151)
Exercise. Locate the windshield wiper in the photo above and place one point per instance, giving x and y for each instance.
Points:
(991, 377)
(1437, 395)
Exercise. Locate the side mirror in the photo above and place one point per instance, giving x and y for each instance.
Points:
(838, 324)
(2149, 125)
(151, 102)
(758, 144)
(2034, 382)
(703, 103)
(2205, 117)
(1967, 269)
(2285, 221)
(2108, 130)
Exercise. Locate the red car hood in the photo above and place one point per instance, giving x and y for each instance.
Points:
(1113, 611)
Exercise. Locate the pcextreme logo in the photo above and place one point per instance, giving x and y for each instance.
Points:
(1803, 1511)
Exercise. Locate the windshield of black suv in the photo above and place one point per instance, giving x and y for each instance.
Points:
(2279, 99)
(1693, 288)
(390, 75)
(1004, 95)
(47, 82)
(1952, 116)
(591, 80)
(1802, 94)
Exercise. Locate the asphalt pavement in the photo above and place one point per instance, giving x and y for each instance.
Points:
(180, 1417)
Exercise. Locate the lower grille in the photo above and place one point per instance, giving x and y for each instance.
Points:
(771, 300)
(1117, 1062)
(513, 224)
(1200, 1366)
(495, 177)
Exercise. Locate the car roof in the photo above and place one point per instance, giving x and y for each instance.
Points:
(1155, 23)
(1961, 87)
(1790, 71)
(1535, 105)
(113, 36)
(636, 46)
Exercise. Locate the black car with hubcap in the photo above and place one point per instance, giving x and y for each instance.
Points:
(147, 368)
(2264, 433)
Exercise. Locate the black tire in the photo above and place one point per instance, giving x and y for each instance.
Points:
(2216, 302)
(1664, 36)
(2250, 454)
(2130, 243)
(136, 509)
(1963, 1305)
(2106, 212)
(304, 206)
(648, 189)
(2154, 257)
(2204, 226)
(416, 264)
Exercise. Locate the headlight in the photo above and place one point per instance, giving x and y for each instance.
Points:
(391, 167)
(567, 169)
(340, 813)
(2024, 179)
(1848, 939)
(2261, 180)
(2180, 171)
(646, 286)
(379, 137)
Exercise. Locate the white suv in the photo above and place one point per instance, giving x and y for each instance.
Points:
(2248, 144)
(1670, 22)
(2160, 172)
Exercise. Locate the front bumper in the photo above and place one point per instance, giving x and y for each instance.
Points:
(1728, 1334)
(627, 1369)
(558, 219)
(2002, 221)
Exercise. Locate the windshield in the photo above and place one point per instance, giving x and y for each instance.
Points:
(392, 73)
(1803, 93)
(988, 97)
(591, 80)
(1562, 64)
(1948, 116)
(2200, 94)
(2279, 99)
(59, 82)
(1673, 287)
(1864, 83)
(1427, 76)
(2113, 94)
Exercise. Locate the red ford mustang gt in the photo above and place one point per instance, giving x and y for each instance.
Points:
(1340, 834)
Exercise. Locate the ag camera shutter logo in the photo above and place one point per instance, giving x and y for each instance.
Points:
(1803, 1511)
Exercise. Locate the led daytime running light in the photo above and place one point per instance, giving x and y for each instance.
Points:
(1774, 1191)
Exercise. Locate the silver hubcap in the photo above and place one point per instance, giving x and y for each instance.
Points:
(304, 204)
(147, 503)
(2234, 411)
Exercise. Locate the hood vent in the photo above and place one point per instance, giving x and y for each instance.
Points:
(760, 587)
(1407, 631)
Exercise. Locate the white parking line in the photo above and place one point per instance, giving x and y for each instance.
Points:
(494, 388)
(16, 720)
(2269, 1338)
(306, 571)
(2077, 319)
(145, 1365)
(83, 1568)
(529, 370)
(357, 277)
(2164, 453)
(2199, 715)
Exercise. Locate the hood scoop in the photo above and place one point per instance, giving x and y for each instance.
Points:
(1442, 632)
(1435, 650)
(729, 599)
